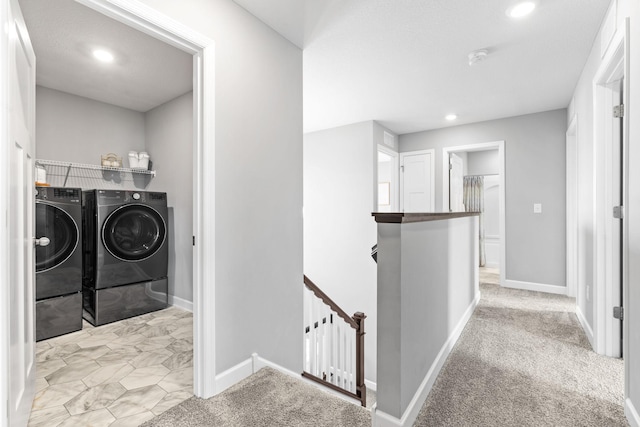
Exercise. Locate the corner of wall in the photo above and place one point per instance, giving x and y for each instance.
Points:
(631, 413)
(382, 419)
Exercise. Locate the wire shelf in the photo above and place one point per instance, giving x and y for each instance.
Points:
(86, 176)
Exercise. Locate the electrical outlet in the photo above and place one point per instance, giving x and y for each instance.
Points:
(537, 208)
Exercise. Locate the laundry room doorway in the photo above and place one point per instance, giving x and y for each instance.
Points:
(148, 21)
(201, 227)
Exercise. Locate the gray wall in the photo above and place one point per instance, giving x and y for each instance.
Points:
(534, 173)
(427, 278)
(483, 162)
(339, 169)
(75, 129)
(258, 182)
(169, 141)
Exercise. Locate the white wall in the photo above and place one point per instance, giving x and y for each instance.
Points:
(340, 166)
(169, 142)
(385, 176)
(258, 182)
(492, 220)
(76, 129)
(582, 107)
(633, 214)
(486, 162)
(535, 173)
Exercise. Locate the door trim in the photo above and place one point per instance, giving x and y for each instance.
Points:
(572, 209)
(482, 146)
(155, 24)
(395, 170)
(432, 152)
(613, 67)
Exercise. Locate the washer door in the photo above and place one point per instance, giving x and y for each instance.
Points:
(57, 225)
(133, 232)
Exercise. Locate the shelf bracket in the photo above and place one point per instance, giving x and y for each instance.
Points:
(66, 177)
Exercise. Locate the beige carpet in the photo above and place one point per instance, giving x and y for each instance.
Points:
(523, 360)
(266, 398)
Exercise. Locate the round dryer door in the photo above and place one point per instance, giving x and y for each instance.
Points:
(62, 231)
(133, 232)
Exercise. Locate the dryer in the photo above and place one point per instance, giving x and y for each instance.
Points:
(126, 254)
(58, 214)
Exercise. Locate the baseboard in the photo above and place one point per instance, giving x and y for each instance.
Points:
(631, 413)
(382, 419)
(371, 385)
(233, 375)
(538, 287)
(253, 364)
(585, 326)
(181, 303)
(492, 264)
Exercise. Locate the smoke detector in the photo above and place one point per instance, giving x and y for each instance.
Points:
(477, 56)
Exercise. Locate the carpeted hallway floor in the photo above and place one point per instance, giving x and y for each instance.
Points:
(522, 360)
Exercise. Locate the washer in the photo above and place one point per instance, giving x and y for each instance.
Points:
(58, 261)
(126, 254)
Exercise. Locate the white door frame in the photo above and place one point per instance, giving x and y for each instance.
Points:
(606, 329)
(482, 146)
(395, 170)
(432, 152)
(155, 24)
(572, 209)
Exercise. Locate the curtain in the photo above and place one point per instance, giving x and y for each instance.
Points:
(474, 202)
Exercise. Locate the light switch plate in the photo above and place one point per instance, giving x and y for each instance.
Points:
(537, 208)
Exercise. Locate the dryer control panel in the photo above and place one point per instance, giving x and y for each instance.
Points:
(58, 194)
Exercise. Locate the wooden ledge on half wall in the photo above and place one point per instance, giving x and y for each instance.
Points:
(406, 217)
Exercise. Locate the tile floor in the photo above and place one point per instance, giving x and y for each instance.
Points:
(120, 374)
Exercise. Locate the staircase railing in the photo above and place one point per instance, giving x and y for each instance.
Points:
(333, 344)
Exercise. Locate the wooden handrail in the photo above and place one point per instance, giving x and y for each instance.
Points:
(357, 323)
(318, 293)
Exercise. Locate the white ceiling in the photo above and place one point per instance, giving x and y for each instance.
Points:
(404, 62)
(145, 73)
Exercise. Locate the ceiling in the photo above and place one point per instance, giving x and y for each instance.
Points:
(404, 63)
(145, 73)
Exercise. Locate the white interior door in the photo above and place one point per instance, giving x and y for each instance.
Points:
(456, 183)
(17, 196)
(417, 181)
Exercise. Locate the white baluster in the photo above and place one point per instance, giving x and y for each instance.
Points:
(334, 349)
(321, 341)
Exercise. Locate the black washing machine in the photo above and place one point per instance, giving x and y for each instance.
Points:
(126, 254)
(58, 261)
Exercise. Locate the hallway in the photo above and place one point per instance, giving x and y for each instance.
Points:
(524, 360)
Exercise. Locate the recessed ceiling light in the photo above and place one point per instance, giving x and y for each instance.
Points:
(521, 10)
(451, 117)
(102, 55)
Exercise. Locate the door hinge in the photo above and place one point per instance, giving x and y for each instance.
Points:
(618, 212)
(618, 111)
(194, 240)
(402, 168)
(450, 166)
(618, 313)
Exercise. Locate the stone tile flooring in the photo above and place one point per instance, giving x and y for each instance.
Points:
(120, 374)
